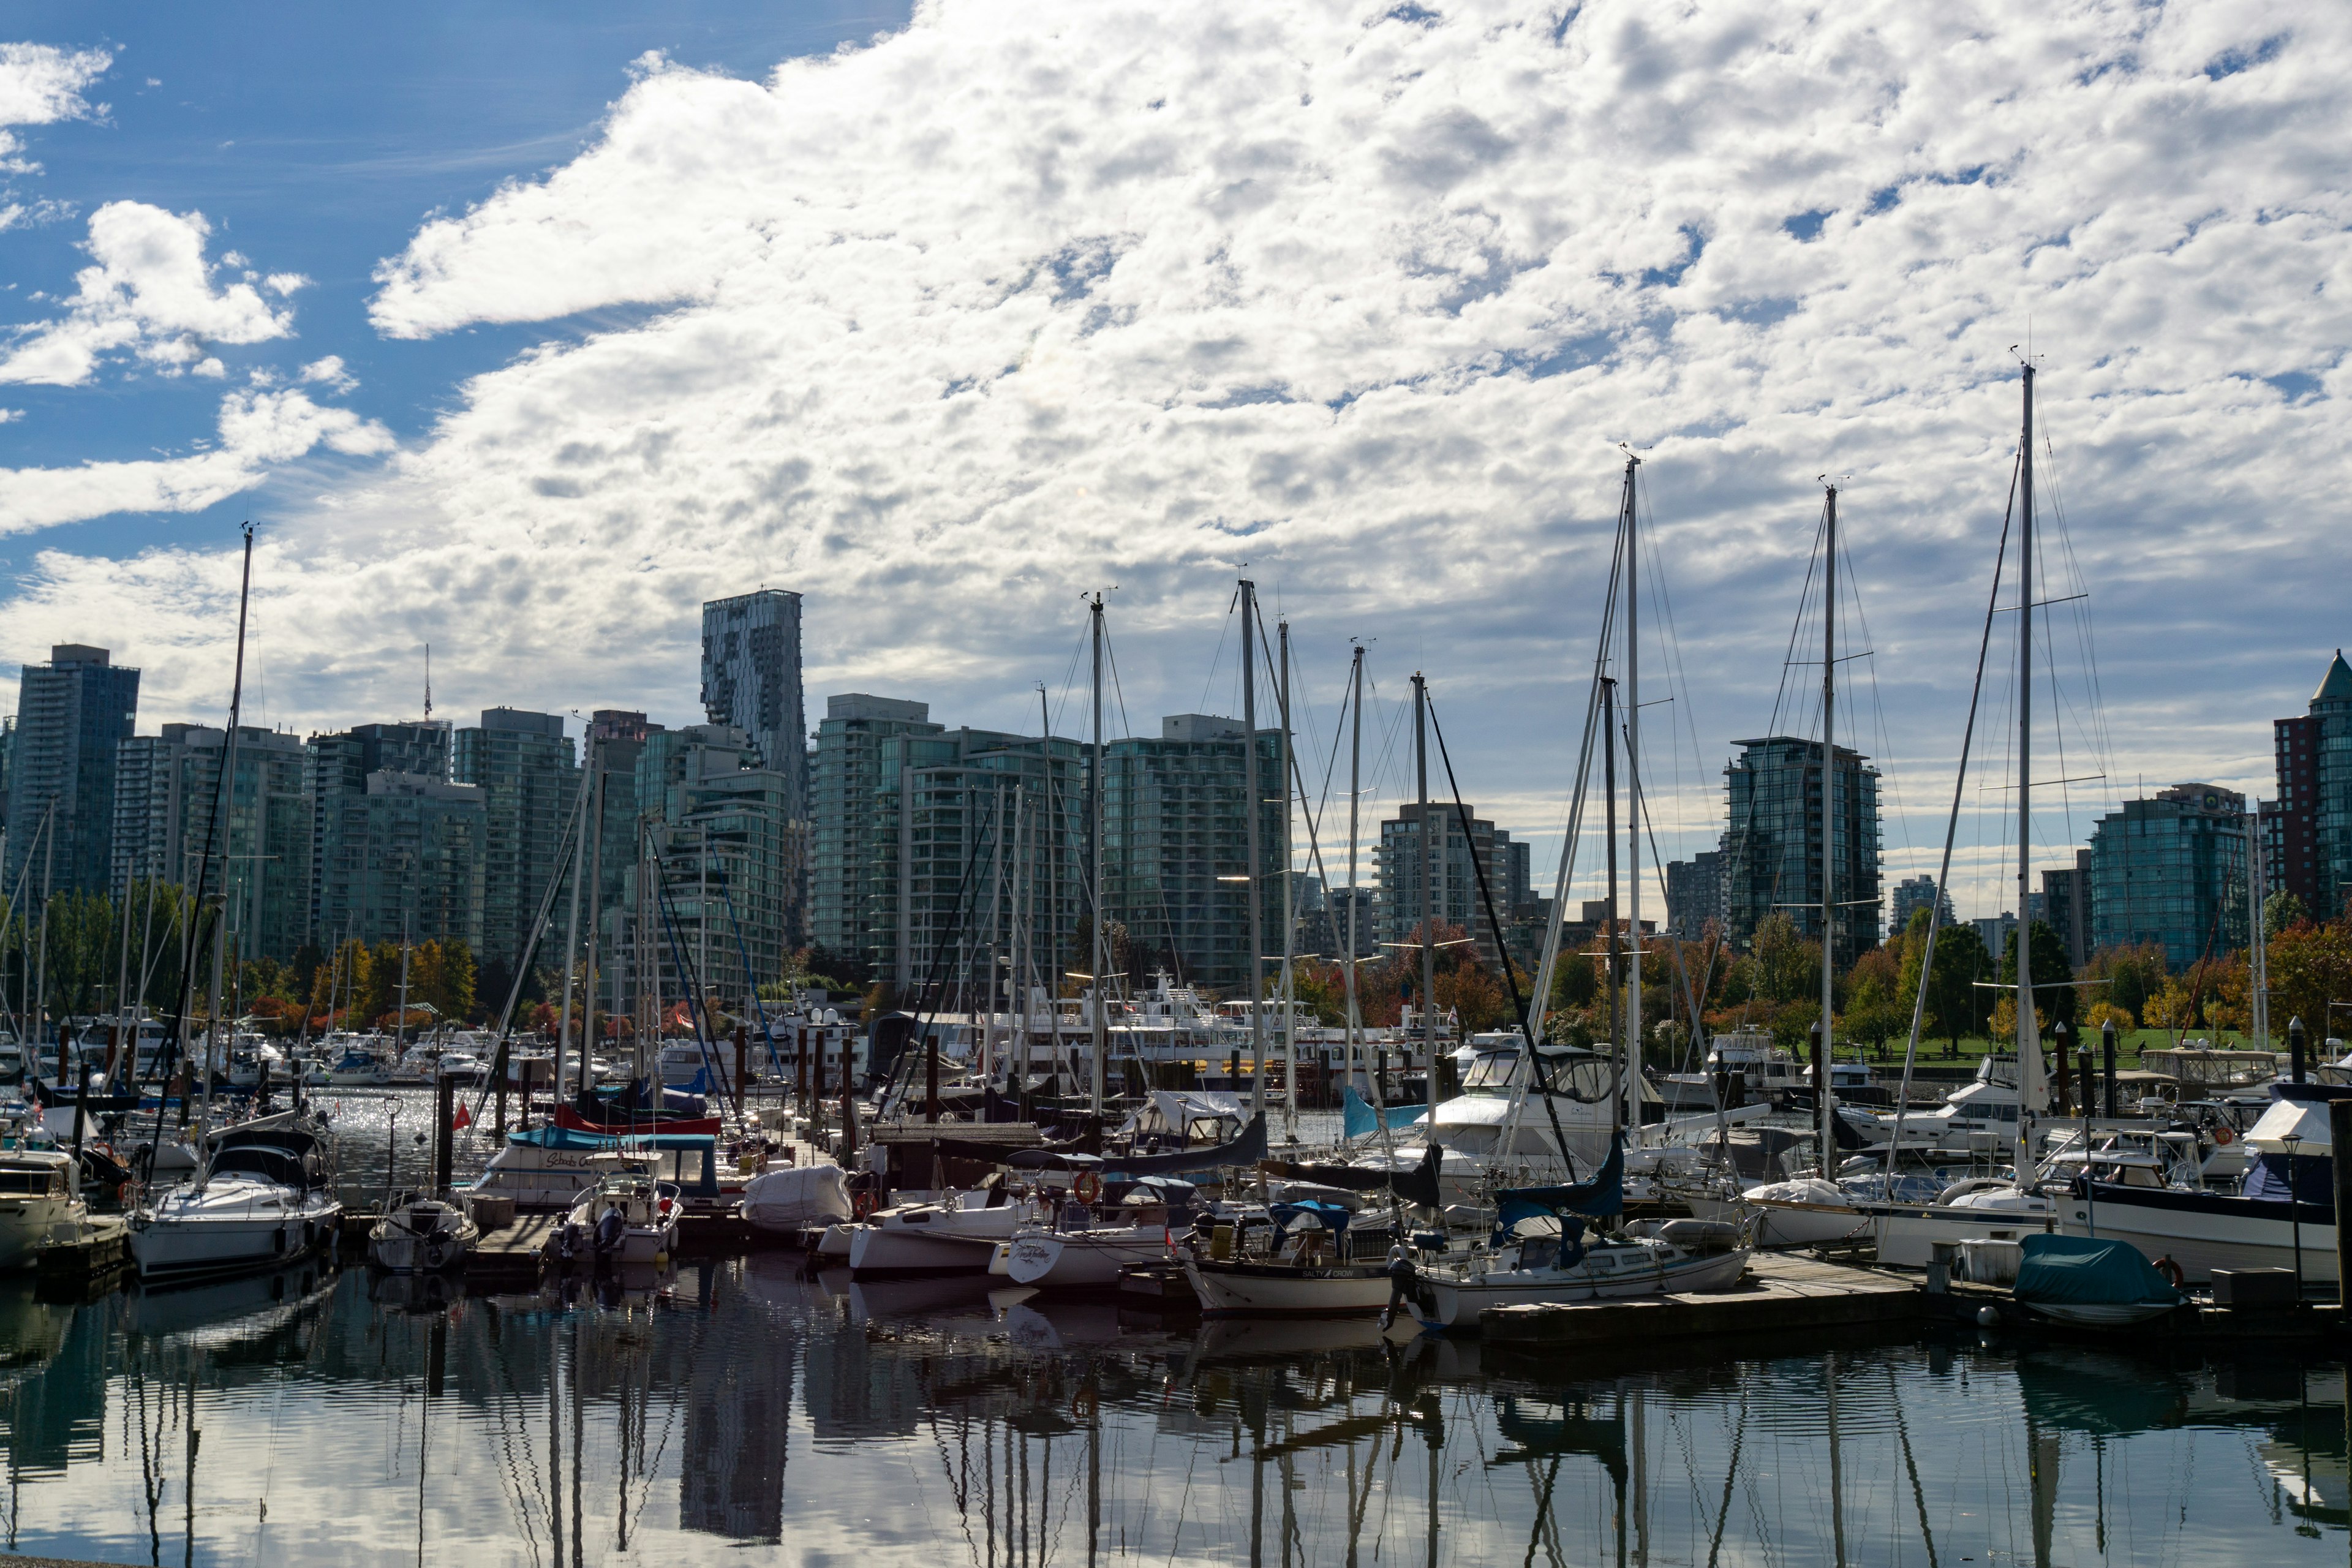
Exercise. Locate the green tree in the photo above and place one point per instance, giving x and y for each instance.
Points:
(1788, 965)
(1875, 1004)
(2133, 974)
(2283, 911)
(2053, 994)
(1960, 962)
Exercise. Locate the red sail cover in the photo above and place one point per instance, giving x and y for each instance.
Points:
(571, 1120)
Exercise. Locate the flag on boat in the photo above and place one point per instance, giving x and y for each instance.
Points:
(463, 1120)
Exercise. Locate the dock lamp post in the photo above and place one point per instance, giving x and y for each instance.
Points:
(2294, 1212)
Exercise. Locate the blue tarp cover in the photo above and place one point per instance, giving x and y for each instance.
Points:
(2087, 1271)
(1357, 1119)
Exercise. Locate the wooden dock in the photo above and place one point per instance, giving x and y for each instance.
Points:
(1780, 1293)
(513, 1256)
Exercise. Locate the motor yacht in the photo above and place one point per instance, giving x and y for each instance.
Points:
(264, 1195)
(38, 1195)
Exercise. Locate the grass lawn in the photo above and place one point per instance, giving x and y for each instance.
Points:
(1937, 1052)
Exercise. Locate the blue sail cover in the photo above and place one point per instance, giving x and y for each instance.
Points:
(2081, 1271)
(1605, 1195)
(1359, 1119)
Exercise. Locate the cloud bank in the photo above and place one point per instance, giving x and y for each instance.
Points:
(1036, 297)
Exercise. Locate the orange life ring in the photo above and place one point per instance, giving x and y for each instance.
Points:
(1088, 1187)
(861, 1204)
(2170, 1270)
(2224, 1135)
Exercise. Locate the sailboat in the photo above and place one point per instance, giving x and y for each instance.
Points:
(264, 1192)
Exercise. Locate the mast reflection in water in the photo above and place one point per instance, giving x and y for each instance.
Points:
(735, 1411)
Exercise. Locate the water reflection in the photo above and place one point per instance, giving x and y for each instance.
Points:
(736, 1409)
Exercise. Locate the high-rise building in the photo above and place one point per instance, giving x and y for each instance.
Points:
(523, 764)
(1458, 859)
(71, 715)
(166, 792)
(1773, 845)
(339, 764)
(2066, 906)
(2311, 852)
(617, 739)
(719, 916)
(404, 859)
(751, 679)
(844, 774)
(973, 831)
(1176, 847)
(7, 756)
(2172, 869)
(1918, 893)
(1693, 893)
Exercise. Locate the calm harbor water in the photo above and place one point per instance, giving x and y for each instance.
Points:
(740, 1411)
(737, 1411)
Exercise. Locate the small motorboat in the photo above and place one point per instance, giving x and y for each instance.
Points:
(2091, 1282)
(913, 1239)
(626, 1217)
(37, 1195)
(422, 1235)
(1545, 1259)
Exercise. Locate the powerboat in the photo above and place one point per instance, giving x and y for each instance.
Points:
(265, 1195)
(628, 1217)
(36, 1196)
(359, 1068)
(422, 1235)
(546, 1168)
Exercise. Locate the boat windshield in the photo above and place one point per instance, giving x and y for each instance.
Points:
(1578, 1075)
(1493, 1072)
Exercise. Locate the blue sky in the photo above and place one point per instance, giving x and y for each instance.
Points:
(521, 332)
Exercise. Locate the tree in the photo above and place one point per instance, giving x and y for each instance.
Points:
(1875, 1004)
(1788, 965)
(2283, 911)
(2310, 967)
(2051, 969)
(2133, 974)
(2102, 1013)
(1960, 962)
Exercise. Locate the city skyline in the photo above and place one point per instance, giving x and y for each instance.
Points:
(1758, 252)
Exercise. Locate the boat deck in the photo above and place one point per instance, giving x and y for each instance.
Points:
(1780, 1292)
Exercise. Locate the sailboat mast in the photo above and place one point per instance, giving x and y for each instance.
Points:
(1355, 774)
(1250, 814)
(1101, 966)
(1608, 838)
(1633, 813)
(1826, 1049)
(1289, 911)
(226, 798)
(571, 927)
(1428, 892)
(2029, 1040)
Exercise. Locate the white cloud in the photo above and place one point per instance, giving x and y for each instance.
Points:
(39, 85)
(151, 294)
(330, 373)
(8, 416)
(258, 430)
(1036, 297)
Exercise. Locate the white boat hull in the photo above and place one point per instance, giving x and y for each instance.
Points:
(26, 1224)
(2207, 1234)
(1282, 1291)
(226, 1228)
(1454, 1299)
(1082, 1261)
(876, 1253)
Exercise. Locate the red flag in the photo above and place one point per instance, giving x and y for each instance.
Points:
(463, 1120)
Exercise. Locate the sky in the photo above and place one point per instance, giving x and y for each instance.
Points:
(517, 333)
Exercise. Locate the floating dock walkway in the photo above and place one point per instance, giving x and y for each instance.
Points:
(1781, 1291)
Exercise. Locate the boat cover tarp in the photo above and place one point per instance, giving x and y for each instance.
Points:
(1605, 1195)
(2083, 1270)
(1360, 1119)
(1246, 1150)
(669, 1136)
(1331, 1216)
